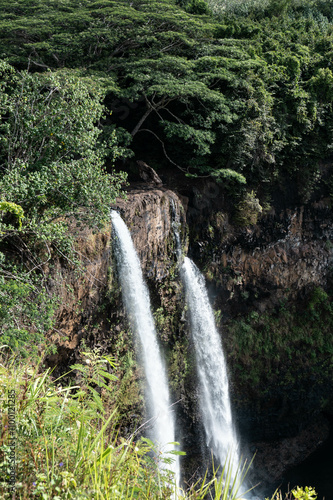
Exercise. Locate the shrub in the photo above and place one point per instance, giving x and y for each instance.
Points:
(248, 210)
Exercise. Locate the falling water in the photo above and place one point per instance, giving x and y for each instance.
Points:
(211, 367)
(176, 228)
(137, 303)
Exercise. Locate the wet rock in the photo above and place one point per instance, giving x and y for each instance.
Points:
(273, 458)
(148, 214)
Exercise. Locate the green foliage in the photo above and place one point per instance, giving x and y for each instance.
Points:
(68, 446)
(319, 299)
(226, 175)
(197, 7)
(16, 210)
(26, 314)
(94, 371)
(298, 493)
(248, 210)
(322, 85)
(66, 440)
(247, 89)
(238, 7)
(278, 7)
(240, 90)
(53, 164)
(179, 367)
(225, 485)
(53, 172)
(306, 493)
(265, 356)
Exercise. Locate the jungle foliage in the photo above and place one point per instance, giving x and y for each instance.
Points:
(52, 173)
(244, 86)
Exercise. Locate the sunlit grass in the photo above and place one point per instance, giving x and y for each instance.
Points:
(67, 445)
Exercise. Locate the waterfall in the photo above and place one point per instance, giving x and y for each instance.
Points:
(211, 368)
(137, 304)
(176, 228)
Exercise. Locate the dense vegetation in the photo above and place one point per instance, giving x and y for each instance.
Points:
(52, 173)
(241, 91)
(69, 446)
(246, 88)
(305, 345)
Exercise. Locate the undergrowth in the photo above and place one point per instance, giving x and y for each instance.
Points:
(281, 345)
(66, 441)
(60, 440)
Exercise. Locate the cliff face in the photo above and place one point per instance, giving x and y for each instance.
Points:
(150, 214)
(263, 281)
(271, 286)
(80, 287)
(282, 255)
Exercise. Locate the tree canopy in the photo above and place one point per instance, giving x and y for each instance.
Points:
(234, 85)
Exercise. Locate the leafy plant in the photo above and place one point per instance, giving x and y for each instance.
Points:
(306, 493)
(26, 314)
(12, 208)
(248, 210)
(53, 173)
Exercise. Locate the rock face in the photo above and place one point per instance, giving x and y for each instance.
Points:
(273, 458)
(265, 281)
(298, 255)
(80, 287)
(261, 279)
(149, 215)
(148, 174)
(289, 249)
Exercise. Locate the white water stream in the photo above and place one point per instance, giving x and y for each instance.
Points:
(211, 368)
(137, 303)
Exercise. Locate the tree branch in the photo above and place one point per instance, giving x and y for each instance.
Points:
(164, 151)
(186, 171)
(142, 120)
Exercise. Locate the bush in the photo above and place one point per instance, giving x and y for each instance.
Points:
(248, 210)
(197, 7)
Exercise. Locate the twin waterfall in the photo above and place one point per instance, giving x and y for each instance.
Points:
(211, 367)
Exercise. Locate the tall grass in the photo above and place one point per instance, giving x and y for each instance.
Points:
(67, 445)
(226, 484)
